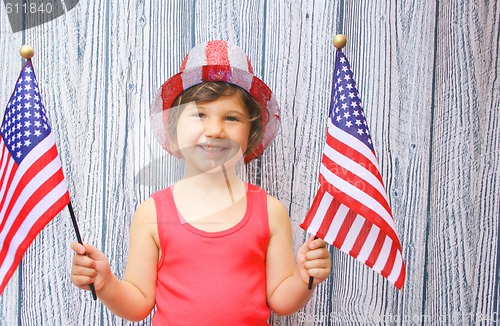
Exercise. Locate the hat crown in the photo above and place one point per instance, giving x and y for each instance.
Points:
(217, 53)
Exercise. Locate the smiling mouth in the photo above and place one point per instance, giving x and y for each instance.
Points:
(212, 149)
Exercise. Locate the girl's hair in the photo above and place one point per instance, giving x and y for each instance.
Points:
(211, 91)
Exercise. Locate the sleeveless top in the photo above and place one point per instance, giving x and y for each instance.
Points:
(212, 278)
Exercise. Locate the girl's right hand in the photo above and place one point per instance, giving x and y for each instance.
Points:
(90, 265)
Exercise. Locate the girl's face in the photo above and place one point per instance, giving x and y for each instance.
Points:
(210, 134)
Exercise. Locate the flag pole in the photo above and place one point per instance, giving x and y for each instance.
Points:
(339, 41)
(27, 52)
(79, 239)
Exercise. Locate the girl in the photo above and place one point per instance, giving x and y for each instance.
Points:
(211, 249)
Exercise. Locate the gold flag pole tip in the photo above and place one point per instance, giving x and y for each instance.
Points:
(339, 41)
(27, 52)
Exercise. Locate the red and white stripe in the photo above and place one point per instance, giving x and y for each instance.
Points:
(219, 53)
(351, 210)
(31, 194)
(220, 61)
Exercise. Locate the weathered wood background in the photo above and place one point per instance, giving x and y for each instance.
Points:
(428, 75)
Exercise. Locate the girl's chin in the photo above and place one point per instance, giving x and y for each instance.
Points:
(206, 163)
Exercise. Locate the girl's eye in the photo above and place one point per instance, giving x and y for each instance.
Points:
(231, 118)
(198, 115)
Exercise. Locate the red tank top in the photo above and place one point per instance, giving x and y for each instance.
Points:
(212, 278)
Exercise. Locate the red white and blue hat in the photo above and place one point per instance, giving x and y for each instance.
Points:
(215, 61)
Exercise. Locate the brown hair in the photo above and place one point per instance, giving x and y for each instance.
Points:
(211, 91)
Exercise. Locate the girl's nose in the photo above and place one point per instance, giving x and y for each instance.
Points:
(212, 128)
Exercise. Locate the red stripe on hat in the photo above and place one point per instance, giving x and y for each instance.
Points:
(216, 73)
(250, 68)
(262, 94)
(216, 53)
(170, 90)
(256, 153)
(184, 62)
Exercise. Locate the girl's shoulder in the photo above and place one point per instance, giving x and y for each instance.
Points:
(146, 209)
(158, 196)
(161, 191)
(274, 205)
(277, 215)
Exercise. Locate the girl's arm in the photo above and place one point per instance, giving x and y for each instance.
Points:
(287, 279)
(133, 298)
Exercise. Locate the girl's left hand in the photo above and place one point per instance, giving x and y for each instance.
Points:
(313, 259)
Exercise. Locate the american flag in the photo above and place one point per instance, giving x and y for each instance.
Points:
(32, 185)
(351, 208)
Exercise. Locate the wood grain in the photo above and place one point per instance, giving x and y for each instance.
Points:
(428, 76)
(464, 227)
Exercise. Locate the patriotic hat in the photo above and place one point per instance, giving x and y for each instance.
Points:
(215, 61)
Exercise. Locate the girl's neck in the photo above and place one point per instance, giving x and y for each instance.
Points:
(219, 180)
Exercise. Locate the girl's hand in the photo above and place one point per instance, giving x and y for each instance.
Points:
(313, 259)
(89, 266)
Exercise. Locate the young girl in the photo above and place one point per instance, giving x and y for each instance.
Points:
(211, 249)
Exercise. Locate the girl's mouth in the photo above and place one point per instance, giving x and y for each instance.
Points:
(212, 149)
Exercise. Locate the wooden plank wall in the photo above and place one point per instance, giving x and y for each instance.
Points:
(428, 75)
